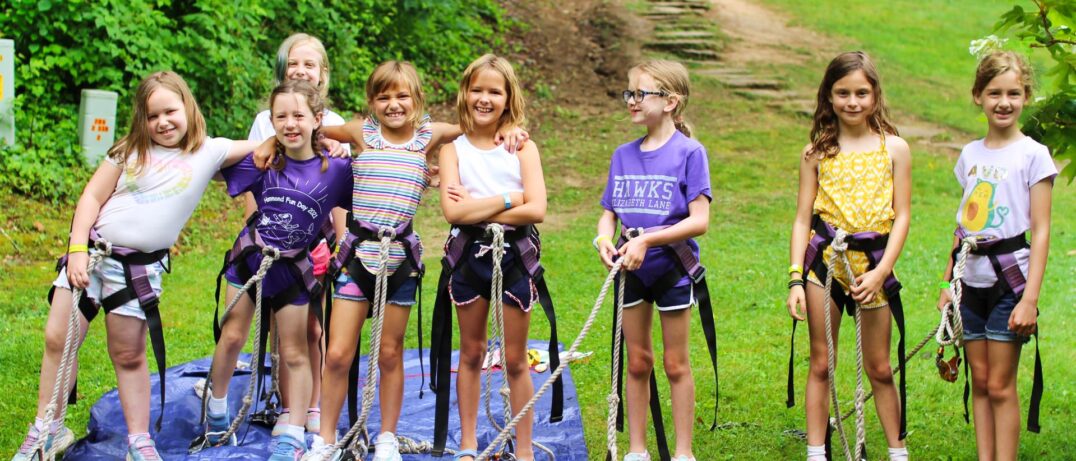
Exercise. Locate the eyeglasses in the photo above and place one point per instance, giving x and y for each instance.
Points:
(640, 94)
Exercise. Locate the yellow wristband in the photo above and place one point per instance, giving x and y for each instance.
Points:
(794, 269)
(78, 248)
(599, 239)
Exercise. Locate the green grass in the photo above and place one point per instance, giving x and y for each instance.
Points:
(753, 155)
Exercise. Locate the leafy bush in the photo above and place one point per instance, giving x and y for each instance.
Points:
(1052, 119)
(225, 50)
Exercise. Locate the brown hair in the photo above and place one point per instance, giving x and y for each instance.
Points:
(672, 78)
(282, 61)
(826, 128)
(998, 63)
(138, 140)
(317, 107)
(513, 110)
(391, 73)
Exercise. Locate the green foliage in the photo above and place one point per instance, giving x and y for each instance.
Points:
(1052, 119)
(46, 163)
(225, 50)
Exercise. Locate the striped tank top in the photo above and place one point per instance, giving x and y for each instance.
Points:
(389, 181)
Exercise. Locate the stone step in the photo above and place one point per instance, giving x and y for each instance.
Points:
(701, 5)
(688, 44)
(722, 72)
(696, 55)
(748, 81)
(670, 11)
(766, 93)
(684, 35)
(682, 23)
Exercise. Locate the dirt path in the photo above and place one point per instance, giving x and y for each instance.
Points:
(733, 40)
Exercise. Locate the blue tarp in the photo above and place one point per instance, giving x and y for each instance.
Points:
(107, 431)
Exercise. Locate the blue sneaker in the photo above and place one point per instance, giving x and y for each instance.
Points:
(217, 427)
(143, 449)
(288, 448)
(54, 444)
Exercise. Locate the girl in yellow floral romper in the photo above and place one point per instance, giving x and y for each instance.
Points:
(855, 175)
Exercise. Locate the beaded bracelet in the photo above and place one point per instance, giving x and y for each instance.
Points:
(795, 283)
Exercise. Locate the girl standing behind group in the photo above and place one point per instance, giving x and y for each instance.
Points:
(1008, 180)
(855, 176)
(667, 159)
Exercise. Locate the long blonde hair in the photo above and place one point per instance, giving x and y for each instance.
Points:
(514, 107)
(826, 128)
(282, 60)
(138, 139)
(672, 78)
(391, 73)
(317, 107)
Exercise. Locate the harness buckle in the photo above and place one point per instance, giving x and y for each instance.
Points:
(634, 232)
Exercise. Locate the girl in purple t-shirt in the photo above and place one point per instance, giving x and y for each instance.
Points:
(295, 196)
(659, 182)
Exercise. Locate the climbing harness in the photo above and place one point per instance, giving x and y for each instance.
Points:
(688, 265)
(525, 246)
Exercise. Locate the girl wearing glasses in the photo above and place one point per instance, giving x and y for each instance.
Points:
(661, 184)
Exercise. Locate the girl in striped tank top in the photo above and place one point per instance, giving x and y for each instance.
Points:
(390, 175)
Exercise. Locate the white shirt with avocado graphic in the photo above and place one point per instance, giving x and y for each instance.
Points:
(997, 196)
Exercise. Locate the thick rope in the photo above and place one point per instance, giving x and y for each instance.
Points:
(839, 247)
(506, 431)
(65, 370)
(351, 441)
(270, 256)
(496, 343)
(950, 330)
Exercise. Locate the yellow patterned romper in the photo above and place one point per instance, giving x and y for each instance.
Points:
(855, 193)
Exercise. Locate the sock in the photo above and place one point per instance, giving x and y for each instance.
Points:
(39, 425)
(297, 432)
(898, 454)
(816, 452)
(218, 407)
(132, 437)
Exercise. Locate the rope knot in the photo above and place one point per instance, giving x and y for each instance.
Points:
(271, 253)
(839, 244)
(972, 242)
(386, 231)
(103, 246)
(494, 230)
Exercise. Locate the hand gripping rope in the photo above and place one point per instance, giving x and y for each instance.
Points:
(201, 442)
(613, 399)
(70, 354)
(950, 330)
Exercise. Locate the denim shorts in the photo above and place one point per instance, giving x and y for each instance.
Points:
(681, 296)
(108, 278)
(346, 288)
(464, 290)
(985, 313)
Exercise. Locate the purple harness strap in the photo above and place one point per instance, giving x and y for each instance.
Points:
(524, 238)
(681, 249)
(298, 257)
(872, 243)
(1002, 254)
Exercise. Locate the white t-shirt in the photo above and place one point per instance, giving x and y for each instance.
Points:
(487, 173)
(146, 211)
(262, 128)
(997, 197)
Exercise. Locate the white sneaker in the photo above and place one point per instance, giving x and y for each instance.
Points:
(387, 448)
(54, 445)
(323, 452)
(644, 456)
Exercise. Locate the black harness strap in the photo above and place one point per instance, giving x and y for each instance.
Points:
(523, 242)
(1010, 279)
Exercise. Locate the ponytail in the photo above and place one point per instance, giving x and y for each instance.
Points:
(682, 125)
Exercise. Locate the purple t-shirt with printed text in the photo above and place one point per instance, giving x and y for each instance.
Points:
(653, 188)
(294, 203)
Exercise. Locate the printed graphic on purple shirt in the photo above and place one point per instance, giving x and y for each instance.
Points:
(294, 203)
(653, 188)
